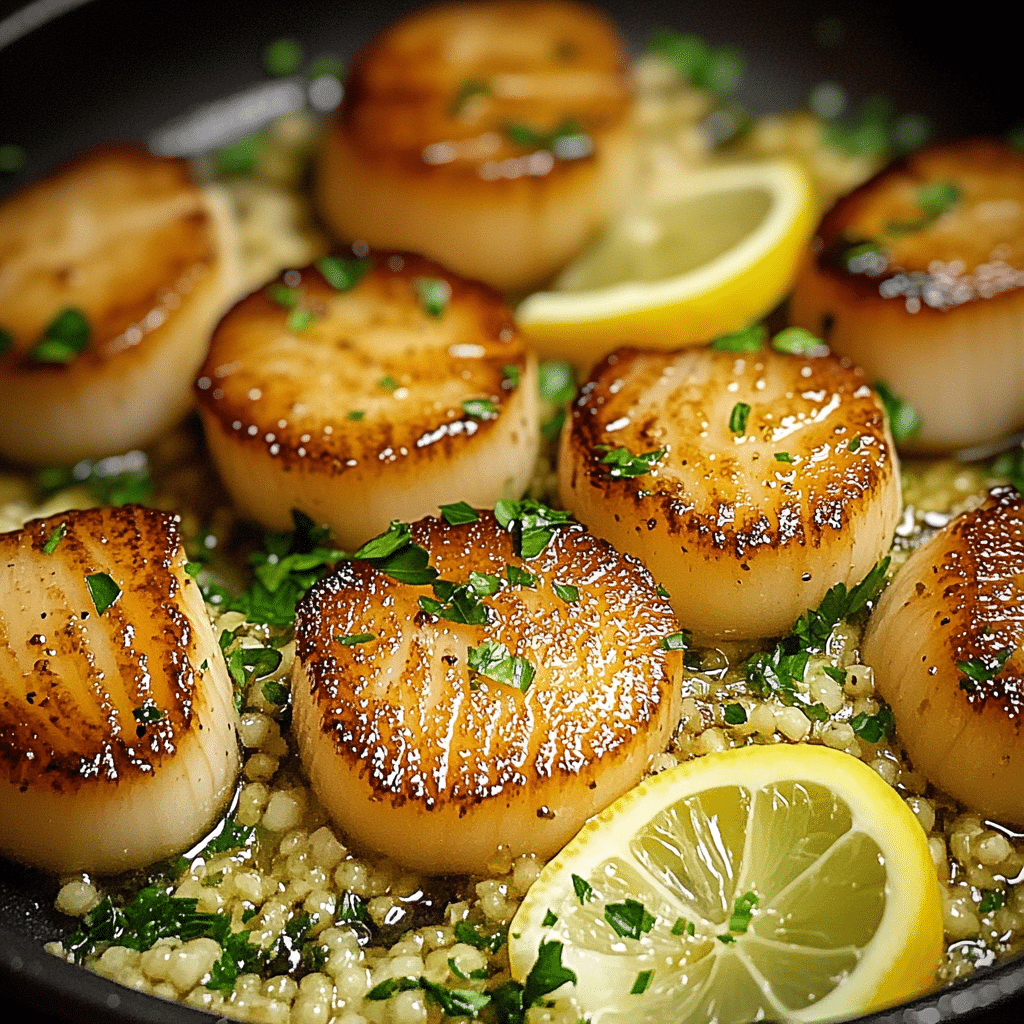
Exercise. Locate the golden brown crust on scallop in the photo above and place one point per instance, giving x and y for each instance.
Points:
(164, 234)
(425, 741)
(73, 683)
(945, 642)
(383, 406)
(493, 136)
(930, 303)
(746, 529)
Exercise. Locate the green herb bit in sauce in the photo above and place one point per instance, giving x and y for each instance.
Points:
(356, 415)
(642, 983)
(624, 464)
(684, 927)
(288, 565)
(103, 591)
(284, 295)
(472, 936)
(568, 141)
(675, 641)
(65, 337)
(518, 577)
(991, 899)
(715, 69)
(275, 693)
(796, 341)
(874, 728)
(510, 376)
(904, 420)
(738, 417)
(567, 592)
(550, 918)
(388, 384)
(241, 156)
(6, 341)
(457, 603)
(434, 294)
(58, 533)
(783, 457)
(116, 480)
(749, 339)
(556, 382)
(340, 273)
(547, 973)
(480, 408)
(734, 714)
(282, 57)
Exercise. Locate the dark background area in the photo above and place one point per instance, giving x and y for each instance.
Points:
(115, 69)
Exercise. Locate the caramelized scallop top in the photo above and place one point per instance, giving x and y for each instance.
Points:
(940, 228)
(403, 708)
(482, 88)
(93, 693)
(330, 389)
(119, 233)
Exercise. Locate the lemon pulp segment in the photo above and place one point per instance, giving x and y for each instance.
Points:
(680, 269)
(844, 907)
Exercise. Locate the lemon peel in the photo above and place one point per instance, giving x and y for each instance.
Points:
(779, 882)
(716, 254)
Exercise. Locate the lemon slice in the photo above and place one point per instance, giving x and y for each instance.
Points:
(769, 882)
(717, 254)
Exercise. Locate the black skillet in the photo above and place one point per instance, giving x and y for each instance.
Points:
(74, 72)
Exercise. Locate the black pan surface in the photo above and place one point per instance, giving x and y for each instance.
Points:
(74, 72)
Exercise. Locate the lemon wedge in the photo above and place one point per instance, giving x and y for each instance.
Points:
(716, 254)
(769, 882)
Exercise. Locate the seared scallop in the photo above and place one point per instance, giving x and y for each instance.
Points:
(365, 390)
(113, 271)
(496, 710)
(494, 136)
(945, 645)
(118, 741)
(918, 276)
(749, 483)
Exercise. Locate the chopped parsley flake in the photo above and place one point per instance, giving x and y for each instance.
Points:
(284, 295)
(642, 983)
(395, 555)
(583, 889)
(300, 319)
(510, 375)
(675, 641)
(715, 69)
(982, 669)
(749, 339)
(466, 91)
(624, 464)
(434, 294)
(58, 533)
(873, 728)
(630, 919)
(547, 973)
(783, 457)
(567, 592)
(66, 337)
(738, 417)
(340, 273)
(683, 927)
(796, 341)
(480, 408)
(493, 661)
(734, 714)
(103, 591)
(904, 421)
(458, 513)
(148, 713)
(388, 383)
(351, 639)
(550, 918)
(934, 198)
(533, 522)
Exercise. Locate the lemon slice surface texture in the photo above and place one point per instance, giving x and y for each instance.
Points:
(714, 255)
(769, 882)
